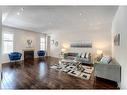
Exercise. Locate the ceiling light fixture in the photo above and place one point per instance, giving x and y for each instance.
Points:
(80, 14)
(18, 13)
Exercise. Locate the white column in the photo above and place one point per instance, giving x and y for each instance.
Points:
(48, 45)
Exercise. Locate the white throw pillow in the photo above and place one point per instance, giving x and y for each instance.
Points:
(83, 55)
(87, 55)
(80, 55)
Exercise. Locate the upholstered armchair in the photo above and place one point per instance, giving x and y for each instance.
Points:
(41, 53)
(14, 56)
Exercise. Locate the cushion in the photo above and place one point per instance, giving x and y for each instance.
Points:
(80, 55)
(83, 55)
(87, 55)
(99, 57)
(105, 60)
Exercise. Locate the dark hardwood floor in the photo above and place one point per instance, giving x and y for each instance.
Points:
(38, 75)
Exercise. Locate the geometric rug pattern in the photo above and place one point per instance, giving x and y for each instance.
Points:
(68, 67)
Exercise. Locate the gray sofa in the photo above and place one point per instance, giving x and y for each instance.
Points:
(83, 60)
(111, 71)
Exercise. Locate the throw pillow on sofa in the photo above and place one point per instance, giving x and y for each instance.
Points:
(83, 55)
(105, 60)
(80, 54)
(87, 55)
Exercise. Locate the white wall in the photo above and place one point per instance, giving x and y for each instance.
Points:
(20, 37)
(99, 35)
(119, 25)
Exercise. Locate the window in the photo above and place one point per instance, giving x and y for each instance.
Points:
(42, 43)
(7, 43)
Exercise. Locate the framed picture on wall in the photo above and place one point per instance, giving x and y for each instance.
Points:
(56, 43)
(117, 40)
(52, 42)
(29, 43)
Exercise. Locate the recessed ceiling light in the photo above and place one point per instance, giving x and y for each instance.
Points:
(18, 13)
(80, 14)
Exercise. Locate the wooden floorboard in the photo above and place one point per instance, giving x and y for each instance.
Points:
(37, 74)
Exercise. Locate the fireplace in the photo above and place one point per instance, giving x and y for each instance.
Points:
(28, 55)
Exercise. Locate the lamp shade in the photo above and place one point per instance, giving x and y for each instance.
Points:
(99, 52)
(66, 45)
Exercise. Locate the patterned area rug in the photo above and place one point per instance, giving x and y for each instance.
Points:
(84, 72)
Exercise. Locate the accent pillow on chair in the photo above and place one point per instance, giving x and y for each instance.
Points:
(106, 60)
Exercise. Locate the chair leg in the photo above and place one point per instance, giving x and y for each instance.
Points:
(41, 58)
(11, 64)
(1, 76)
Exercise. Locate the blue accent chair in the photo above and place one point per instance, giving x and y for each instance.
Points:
(14, 56)
(41, 53)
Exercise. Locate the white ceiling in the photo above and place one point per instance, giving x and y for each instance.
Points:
(44, 18)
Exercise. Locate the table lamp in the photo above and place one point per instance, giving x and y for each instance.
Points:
(99, 55)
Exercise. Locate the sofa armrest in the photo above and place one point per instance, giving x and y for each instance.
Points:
(108, 71)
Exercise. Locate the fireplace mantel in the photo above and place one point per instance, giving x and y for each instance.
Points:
(28, 49)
